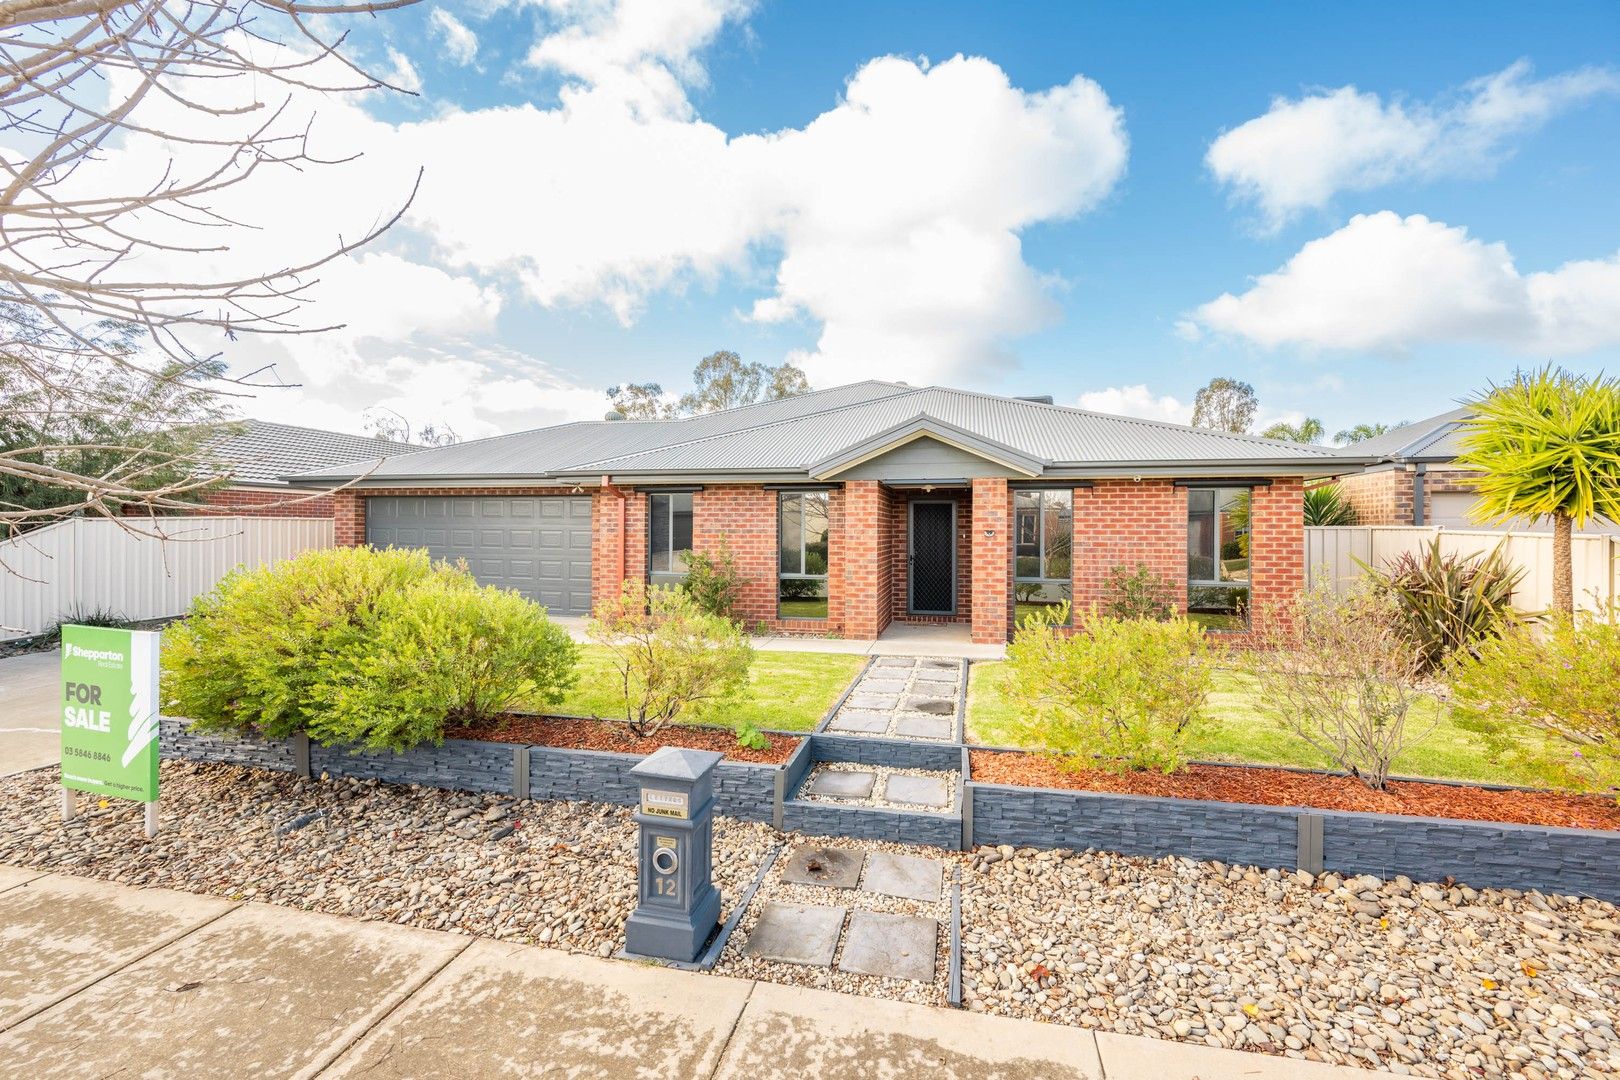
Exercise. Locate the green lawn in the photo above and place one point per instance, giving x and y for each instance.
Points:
(1239, 733)
(787, 690)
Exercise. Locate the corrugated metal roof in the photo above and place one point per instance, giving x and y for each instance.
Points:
(1435, 437)
(257, 451)
(790, 435)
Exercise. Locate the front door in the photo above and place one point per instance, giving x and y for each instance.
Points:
(933, 557)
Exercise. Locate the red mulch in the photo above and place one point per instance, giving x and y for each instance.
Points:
(615, 736)
(1280, 787)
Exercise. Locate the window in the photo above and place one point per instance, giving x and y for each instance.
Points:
(1043, 546)
(669, 536)
(801, 529)
(1218, 557)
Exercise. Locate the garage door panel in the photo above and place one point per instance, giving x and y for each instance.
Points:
(538, 545)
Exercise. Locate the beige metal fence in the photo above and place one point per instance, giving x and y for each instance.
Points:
(1332, 552)
(144, 569)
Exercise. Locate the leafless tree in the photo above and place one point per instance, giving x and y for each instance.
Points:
(108, 276)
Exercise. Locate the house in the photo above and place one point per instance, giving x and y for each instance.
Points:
(256, 454)
(1413, 479)
(858, 506)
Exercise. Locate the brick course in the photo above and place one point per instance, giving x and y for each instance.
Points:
(259, 503)
(992, 560)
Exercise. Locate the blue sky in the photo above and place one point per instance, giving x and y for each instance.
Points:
(1450, 217)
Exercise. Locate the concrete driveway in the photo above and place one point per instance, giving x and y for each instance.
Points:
(30, 732)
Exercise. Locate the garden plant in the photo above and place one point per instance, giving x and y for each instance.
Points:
(1138, 592)
(671, 659)
(352, 646)
(714, 581)
(1450, 604)
(1114, 694)
(1325, 504)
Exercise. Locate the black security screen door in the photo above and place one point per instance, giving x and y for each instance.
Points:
(933, 558)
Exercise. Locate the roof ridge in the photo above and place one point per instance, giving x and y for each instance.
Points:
(1145, 421)
(254, 420)
(791, 397)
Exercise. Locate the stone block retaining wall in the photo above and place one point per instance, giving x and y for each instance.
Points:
(892, 753)
(458, 765)
(174, 741)
(873, 823)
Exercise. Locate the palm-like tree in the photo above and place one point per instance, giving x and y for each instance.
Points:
(1548, 444)
(1326, 505)
(1363, 432)
(1308, 430)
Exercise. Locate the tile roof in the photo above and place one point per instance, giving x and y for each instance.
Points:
(259, 452)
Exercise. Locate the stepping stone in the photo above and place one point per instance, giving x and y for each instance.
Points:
(916, 790)
(904, 662)
(872, 701)
(881, 686)
(929, 682)
(871, 723)
(943, 665)
(893, 946)
(935, 706)
(842, 784)
(925, 727)
(836, 868)
(796, 934)
(906, 876)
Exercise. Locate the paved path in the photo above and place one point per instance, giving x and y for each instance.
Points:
(97, 979)
(29, 726)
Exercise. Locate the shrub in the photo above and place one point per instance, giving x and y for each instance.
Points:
(1138, 592)
(714, 582)
(671, 657)
(1116, 694)
(1338, 672)
(354, 645)
(1449, 603)
(1326, 505)
(1562, 679)
(442, 653)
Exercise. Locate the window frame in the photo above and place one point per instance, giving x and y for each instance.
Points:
(667, 577)
(1041, 552)
(802, 495)
(1246, 586)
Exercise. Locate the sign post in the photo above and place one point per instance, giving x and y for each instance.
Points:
(679, 907)
(110, 716)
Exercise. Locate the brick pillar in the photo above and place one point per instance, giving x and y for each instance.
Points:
(992, 560)
(348, 518)
(1276, 547)
(865, 559)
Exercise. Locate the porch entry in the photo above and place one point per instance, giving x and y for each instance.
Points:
(931, 557)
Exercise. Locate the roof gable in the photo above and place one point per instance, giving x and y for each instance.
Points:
(918, 432)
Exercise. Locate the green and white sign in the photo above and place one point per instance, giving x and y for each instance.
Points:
(110, 712)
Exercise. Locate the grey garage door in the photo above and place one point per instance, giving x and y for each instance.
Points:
(538, 545)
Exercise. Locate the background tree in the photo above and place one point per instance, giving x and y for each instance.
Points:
(1225, 405)
(1363, 432)
(114, 306)
(1325, 504)
(720, 380)
(1308, 430)
(385, 423)
(640, 401)
(1547, 445)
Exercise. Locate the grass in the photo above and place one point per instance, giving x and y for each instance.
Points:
(813, 608)
(790, 691)
(1239, 732)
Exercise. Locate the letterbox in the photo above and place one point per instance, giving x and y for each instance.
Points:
(678, 908)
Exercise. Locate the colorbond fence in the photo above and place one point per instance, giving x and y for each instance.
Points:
(140, 569)
(1331, 553)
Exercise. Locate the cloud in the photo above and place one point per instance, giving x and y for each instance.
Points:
(1385, 283)
(402, 73)
(1137, 400)
(1302, 152)
(460, 41)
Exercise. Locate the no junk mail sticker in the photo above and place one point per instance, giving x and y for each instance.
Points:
(110, 712)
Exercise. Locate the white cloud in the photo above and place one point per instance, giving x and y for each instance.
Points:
(402, 74)
(1386, 283)
(1137, 400)
(1302, 152)
(460, 41)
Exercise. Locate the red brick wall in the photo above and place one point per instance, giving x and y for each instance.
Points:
(746, 518)
(610, 507)
(992, 560)
(1276, 546)
(867, 569)
(1379, 498)
(257, 503)
(900, 552)
(1122, 523)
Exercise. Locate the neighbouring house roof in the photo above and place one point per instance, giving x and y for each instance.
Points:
(259, 453)
(1439, 438)
(816, 435)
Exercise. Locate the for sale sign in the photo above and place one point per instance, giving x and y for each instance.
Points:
(110, 711)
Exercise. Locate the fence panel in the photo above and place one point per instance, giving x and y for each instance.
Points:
(138, 569)
(1331, 553)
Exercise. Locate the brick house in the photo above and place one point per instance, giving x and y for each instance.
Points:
(255, 455)
(855, 507)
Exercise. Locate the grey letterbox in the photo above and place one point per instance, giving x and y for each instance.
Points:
(679, 907)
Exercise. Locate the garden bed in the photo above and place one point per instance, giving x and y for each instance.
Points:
(615, 737)
(1283, 787)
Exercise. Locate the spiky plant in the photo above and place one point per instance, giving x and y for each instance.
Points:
(1326, 505)
(1449, 604)
(1547, 444)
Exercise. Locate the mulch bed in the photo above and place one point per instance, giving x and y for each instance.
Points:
(615, 736)
(1281, 787)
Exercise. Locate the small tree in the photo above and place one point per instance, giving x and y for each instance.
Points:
(1138, 592)
(1562, 678)
(1116, 694)
(715, 582)
(1548, 445)
(670, 657)
(1339, 673)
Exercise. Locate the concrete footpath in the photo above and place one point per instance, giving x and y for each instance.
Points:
(99, 979)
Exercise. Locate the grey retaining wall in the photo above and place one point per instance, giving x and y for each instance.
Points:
(175, 741)
(458, 765)
(873, 823)
(892, 753)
